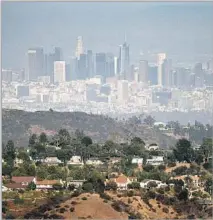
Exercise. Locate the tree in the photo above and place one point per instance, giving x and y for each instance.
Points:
(23, 155)
(206, 148)
(31, 186)
(43, 138)
(7, 169)
(137, 140)
(208, 186)
(79, 134)
(183, 195)
(161, 167)
(148, 168)
(32, 140)
(149, 120)
(87, 186)
(86, 141)
(111, 185)
(134, 185)
(57, 186)
(152, 184)
(64, 137)
(184, 151)
(9, 151)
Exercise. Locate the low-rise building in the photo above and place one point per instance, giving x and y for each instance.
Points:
(155, 160)
(138, 161)
(47, 184)
(52, 161)
(75, 160)
(94, 161)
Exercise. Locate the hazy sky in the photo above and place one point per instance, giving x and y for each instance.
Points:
(176, 28)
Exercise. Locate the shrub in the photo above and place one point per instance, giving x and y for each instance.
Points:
(84, 198)
(119, 206)
(72, 209)
(105, 201)
(171, 164)
(151, 195)
(166, 210)
(66, 206)
(111, 185)
(161, 191)
(105, 196)
(62, 210)
(148, 168)
(130, 193)
(73, 202)
(159, 206)
(87, 187)
(161, 167)
(129, 200)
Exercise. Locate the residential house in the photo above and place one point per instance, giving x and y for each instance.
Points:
(20, 182)
(114, 160)
(145, 184)
(52, 161)
(155, 160)
(75, 160)
(17, 162)
(76, 183)
(94, 161)
(47, 184)
(152, 147)
(138, 161)
(123, 181)
(196, 181)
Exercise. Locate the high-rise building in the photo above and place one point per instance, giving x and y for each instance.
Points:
(122, 88)
(59, 71)
(153, 74)
(160, 61)
(109, 65)
(90, 64)
(100, 64)
(143, 71)
(166, 73)
(124, 59)
(82, 72)
(116, 66)
(79, 48)
(58, 54)
(6, 75)
(199, 75)
(35, 63)
(68, 72)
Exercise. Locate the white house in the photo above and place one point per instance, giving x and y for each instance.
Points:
(144, 184)
(52, 161)
(94, 161)
(138, 161)
(75, 160)
(47, 184)
(17, 161)
(155, 161)
(152, 147)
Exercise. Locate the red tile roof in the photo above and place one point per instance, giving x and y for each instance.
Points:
(21, 179)
(15, 186)
(122, 179)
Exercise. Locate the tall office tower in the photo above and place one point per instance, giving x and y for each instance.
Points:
(167, 73)
(35, 63)
(58, 54)
(124, 59)
(181, 77)
(74, 68)
(143, 71)
(90, 64)
(79, 48)
(82, 71)
(210, 65)
(100, 64)
(68, 72)
(22, 75)
(109, 65)
(160, 61)
(116, 67)
(122, 91)
(199, 75)
(153, 75)
(6, 75)
(59, 71)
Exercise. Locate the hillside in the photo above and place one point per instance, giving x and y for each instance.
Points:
(18, 125)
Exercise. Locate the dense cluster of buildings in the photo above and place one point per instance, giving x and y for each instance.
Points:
(104, 83)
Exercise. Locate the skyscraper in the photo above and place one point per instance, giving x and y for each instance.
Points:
(122, 89)
(167, 73)
(82, 71)
(100, 64)
(109, 65)
(35, 63)
(58, 54)
(90, 64)
(143, 71)
(116, 68)
(160, 61)
(59, 71)
(79, 48)
(124, 59)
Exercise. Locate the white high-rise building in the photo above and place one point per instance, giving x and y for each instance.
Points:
(115, 66)
(59, 71)
(160, 61)
(79, 48)
(122, 88)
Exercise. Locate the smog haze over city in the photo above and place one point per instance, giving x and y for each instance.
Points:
(119, 59)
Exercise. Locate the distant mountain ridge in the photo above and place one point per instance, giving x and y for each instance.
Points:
(18, 125)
